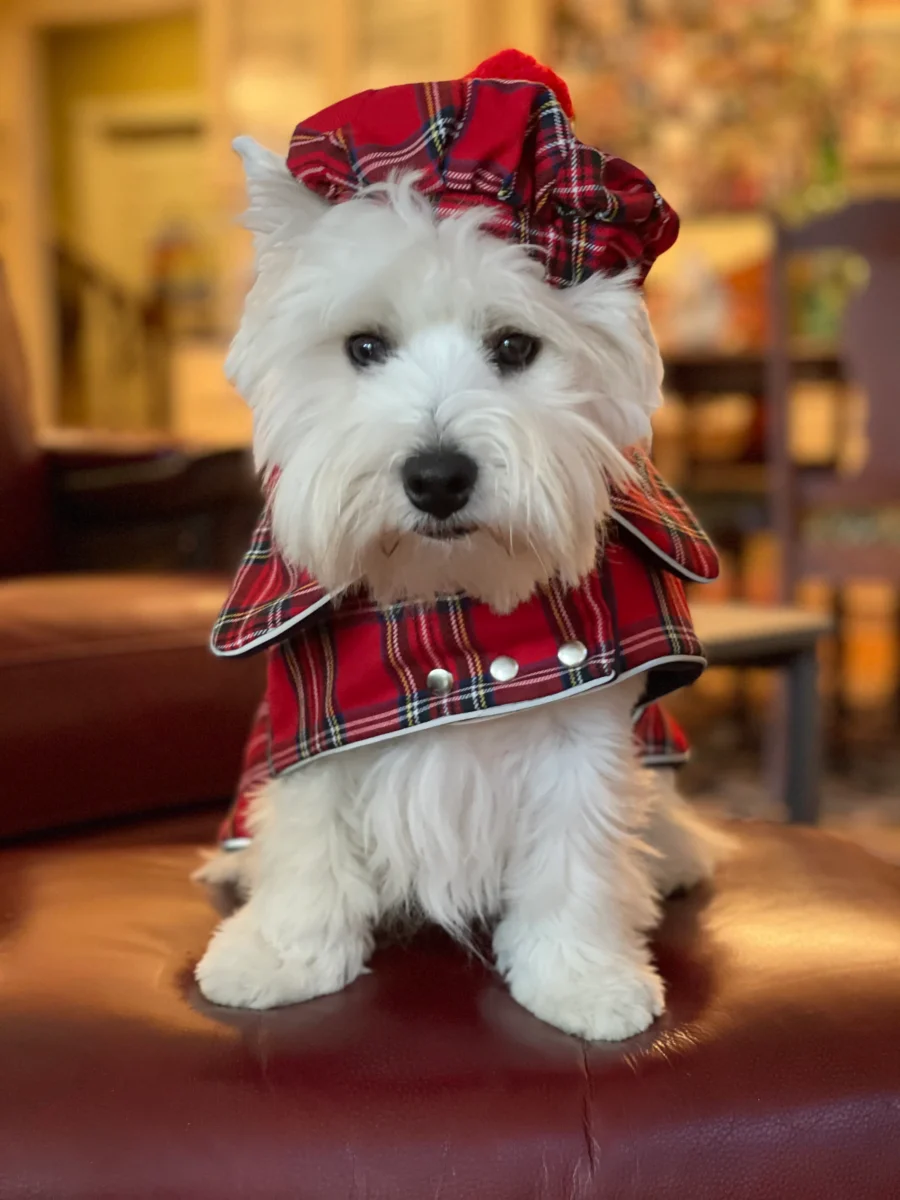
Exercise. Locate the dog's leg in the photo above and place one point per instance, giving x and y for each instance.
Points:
(578, 891)
(687, 848)
(225, 876)
(307, 927)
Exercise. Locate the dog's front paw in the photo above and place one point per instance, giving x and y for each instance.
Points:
(576, 986)
(687, 853)
(608, 1008)
(241, 969)
(681, 869)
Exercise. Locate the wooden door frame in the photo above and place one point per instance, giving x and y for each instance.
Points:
(23, 24)
(95, 115)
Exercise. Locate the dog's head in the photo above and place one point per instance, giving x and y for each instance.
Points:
(440, 417)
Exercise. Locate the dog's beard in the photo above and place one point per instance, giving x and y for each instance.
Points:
(498, 563)
(354, 531)
(501, 570)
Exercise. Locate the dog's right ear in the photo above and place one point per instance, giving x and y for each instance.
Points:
(279, 205)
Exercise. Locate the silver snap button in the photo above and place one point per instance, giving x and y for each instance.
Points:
(572, 654)
(504, 668)
(440, 681)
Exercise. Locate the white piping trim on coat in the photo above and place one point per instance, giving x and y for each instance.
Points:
(666, 760)
(270, 635)
(500, 710)
(676, 566)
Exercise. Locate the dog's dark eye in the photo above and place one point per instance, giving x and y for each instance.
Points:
(514, 351)
(367, 349)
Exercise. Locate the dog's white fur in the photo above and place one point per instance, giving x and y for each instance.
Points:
(541, 820)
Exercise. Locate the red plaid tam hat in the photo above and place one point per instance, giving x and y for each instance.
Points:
(501, 139)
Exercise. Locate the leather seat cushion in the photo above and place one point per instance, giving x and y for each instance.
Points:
(112, 701)
(774, 1072)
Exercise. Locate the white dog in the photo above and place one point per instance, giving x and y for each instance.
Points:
(441, 420)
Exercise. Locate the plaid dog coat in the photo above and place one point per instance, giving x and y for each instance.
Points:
(344, 672)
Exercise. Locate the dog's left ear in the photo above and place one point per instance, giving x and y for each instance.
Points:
(278, 206)
(611, 309)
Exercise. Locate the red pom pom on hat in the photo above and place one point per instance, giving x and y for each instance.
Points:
(514, 65)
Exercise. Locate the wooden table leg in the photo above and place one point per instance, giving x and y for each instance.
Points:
(803, 751)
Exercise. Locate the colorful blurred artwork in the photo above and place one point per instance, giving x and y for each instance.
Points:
(870, 114)
(733, 106)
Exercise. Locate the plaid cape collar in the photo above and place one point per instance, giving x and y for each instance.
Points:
(269, 597)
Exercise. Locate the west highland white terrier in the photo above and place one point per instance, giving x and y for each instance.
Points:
(449, 400)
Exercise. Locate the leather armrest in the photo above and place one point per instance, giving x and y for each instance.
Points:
(65, 444)
(137, 476)
(150, 502)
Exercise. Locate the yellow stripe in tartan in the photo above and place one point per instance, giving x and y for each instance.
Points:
(434, 128)
(564, 625)
(289, 657)
(551, 106)
(407, 682)
(662, 599)
(581, 242)
(476, 670)
(241, 614)
(330, 676)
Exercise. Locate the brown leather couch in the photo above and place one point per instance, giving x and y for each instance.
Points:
(774, 1072)
(110, 702)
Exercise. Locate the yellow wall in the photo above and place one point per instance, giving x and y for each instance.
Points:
(161, 54)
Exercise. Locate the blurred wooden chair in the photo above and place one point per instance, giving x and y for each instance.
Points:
(839, 523)
(787, 637)
(870, 354)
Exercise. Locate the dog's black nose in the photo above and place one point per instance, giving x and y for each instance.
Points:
(440, 482)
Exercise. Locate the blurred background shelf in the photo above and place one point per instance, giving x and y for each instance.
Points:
(735, 480)
(699, 374)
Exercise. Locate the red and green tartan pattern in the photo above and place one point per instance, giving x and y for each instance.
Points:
(656, 515)
(659, 740)
(255, 774)
(360, 674)
(267, 596)
(505, 145)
